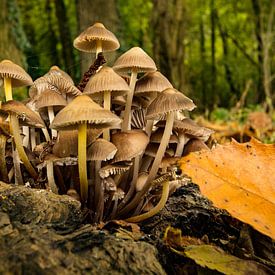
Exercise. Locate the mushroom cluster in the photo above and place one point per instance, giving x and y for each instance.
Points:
(110, 146)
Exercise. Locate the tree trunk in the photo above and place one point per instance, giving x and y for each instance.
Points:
(89, 12)
(258, 28)
(168, 40)
(213, 98)
(65, 37)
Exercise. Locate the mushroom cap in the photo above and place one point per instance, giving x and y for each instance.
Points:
(135, 59)
(84, 110)
(86, 41)
(170, 100)
(106, 80)
(113, 169)
(189, 127)
(50, 98)
(53, 82)
(57, 71)
(101, 149)
(194, 145)
(152, 148)
(25, 115)
(119, 100)
(17, 74)
(129, 144)
(67, 141)
(152, 82)
(157, 136)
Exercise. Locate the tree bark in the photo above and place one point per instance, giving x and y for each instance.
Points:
(88, 13)
(168, 26)
(65, 37)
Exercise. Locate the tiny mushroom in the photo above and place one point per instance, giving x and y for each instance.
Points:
(80, 113)
(134, 61)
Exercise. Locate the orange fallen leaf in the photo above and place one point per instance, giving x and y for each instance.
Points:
(238, 177)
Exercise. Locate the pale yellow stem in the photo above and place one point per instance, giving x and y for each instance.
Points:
(14, 124)
(98, 47)
(7, 88)
(82, 164)
(157, 208)
(107, 106)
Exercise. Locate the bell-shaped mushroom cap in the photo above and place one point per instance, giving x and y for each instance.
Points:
(53, 82)
(50, 98)
(84, 110)
(170, 100)
(57, 71)
(119, 100)
(86, 41)
(157, 136)
(129, 144)
(189, 127)
(152, 148)
(106, 80)
(101, 149)
(25, 115)
(17, 74)
(67, 142)
(194, 145)
(135, 59)
(152, 82)
(113, 169)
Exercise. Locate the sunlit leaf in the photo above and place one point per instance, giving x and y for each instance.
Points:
(239, 178)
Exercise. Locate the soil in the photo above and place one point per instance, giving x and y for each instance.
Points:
(44, 233)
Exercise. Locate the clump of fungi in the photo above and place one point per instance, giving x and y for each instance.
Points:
(111, 145)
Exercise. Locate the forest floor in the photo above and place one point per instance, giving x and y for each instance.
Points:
(44, 233)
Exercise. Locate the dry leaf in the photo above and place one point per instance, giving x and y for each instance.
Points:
(239, 178)
(209, 256)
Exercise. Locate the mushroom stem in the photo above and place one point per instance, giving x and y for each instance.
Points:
(98, 190)
(107, 106)
(7, 88)
(51, 118)
(126, 125)
(50, 176)
(33, 139)
(82, 165)
(180, 146)
(16, 164)
(156, 209)
(98, 47)
(3, 166)
(46, 134)
(14, 124)
(155, 166)
(149, 127)
(26, 138)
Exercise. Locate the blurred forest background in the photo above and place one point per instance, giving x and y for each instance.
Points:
(220, 53)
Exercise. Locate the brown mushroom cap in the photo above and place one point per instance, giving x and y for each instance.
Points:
(157, 136)
(152, 82)
(170, 100)
(106, 80)
(57, 71)
(189, 127)
(101, 149)
(50, 98)
(86, 41)
(17, 74)
(194, 145)
(135, 59)
(152, 148)
(84, 110)
(66, 143)
(25, 115)
(129, 144)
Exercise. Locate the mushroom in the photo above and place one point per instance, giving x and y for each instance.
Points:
(134, 61)
(104, 83)
(57, 71)
(50, 99)
(100, 150)
(149, 85)
(96, 39)
(19, 112)
(164, 105)
(80, 113)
